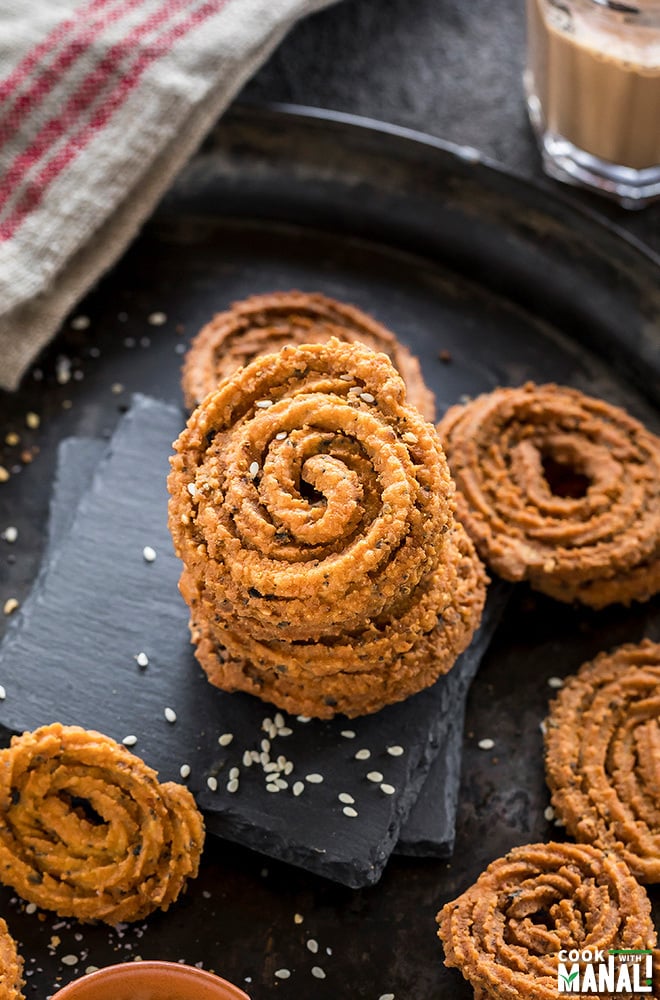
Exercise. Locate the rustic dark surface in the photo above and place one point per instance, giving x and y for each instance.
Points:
(481, 273)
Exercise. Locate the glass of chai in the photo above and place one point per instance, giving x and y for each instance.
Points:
(593, 93)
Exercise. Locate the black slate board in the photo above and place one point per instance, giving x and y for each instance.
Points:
(97, 604)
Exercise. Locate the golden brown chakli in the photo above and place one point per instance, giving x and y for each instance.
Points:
(263, 324)
(603, 755)
(505, 932)
(11, 966)
(88, 831)
(560, 489)
(313, 511)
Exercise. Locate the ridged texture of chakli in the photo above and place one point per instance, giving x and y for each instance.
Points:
(314, 513)
(87, 829)
(263, 324)
(11, 966)
(560, 489)
(602, 745)
(505, 932)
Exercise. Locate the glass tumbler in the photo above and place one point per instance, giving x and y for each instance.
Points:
(593, 92)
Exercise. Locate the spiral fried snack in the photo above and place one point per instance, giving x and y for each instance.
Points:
(560, 489)
(11, 966)
(603, 755)
(88, 831)
(263, 324)
(506, 931)
(313, 512)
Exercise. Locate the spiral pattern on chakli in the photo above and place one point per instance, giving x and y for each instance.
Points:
(602, 742)
(560, 489)
(263, 324)
(87, 829)
(11, 966)
(313, 511)
(506, 931)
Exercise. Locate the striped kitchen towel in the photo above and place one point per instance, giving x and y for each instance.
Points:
(101, 103)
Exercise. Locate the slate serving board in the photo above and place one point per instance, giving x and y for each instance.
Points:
(71, 656)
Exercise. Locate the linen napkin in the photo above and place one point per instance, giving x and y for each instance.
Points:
(101, 103)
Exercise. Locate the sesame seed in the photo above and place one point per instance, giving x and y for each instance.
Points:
(298, 788)
(91, 968)
(409, 437)
(288, 767)
(265, 746)
(225, 739)
(386, 996)
(367, 397)
(266, 723)
(346, 798)
(184, 771)
(129, 741)
(285, 731)
(270, 767)
(264, 758)
(10, 605)
(263, 404)
(387, 789)
(116, 388)
(170, 714)
(273, 787)
(32, 420)
(281, 435)
(349, 811)
(543, 727)
(395, 751)
(304, 718)
(142, 660)
(375, 776)
(69, 960)
(298, 918)
(232, 786)
(254, 469)
(312, 946)
(80, 322)
(247, 759)
(4, 475)
(486, 744)
(278, 720)
(12, 439)
(555, 682)
(192, 489)
(363, 755)
(3, 693)
(10, 534)
(282, 974)
(255, 755)
(281, 783)
(157, 318)
(549, 813)
(348, 734)
(148, 554)
(234, 772)
(212, 783)
(31, 908)
(346, 378)
(318, 972)
(314, 779)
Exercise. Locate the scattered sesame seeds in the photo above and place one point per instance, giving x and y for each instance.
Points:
(10, 534)
(314, 779)
(263, 404)
(142, 660)
(318, 972)
(148, 554)
(69, 960)
(281, 435)
(3, 693)
(298, 918)
(346, 798)
(279, 720)
(387, 789)
(234, 773)
(374, 776)
(282, 973)
(350, 812)
(395, 751)
(31, 908)
(284, 731)
(549, 813)
(363, 755)
(312, 946)
(12, 439)
(543, 727)
(367, 397)
(184, 771)
(304, 718)
(555, 682)
(272, 787)
(232, 785)
(386, 996)
(80, 322)
(170, 714)
(346, 377)
(225, 740)
(247, 759)
(212, 783)
(409, 437)
(157, 318)
(281, 783)
(32, 420)
(486, 744)
(192, 489)
(116, 388)
(129, 741)
(4, 474)
(10, 605)
(298, 788)
(254, 469)
(348, 734)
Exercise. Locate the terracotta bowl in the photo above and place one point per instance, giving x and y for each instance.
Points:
(150, 981)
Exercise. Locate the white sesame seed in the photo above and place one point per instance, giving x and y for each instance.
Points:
(4, 475)
(386, 996)
(225, 739)
(549, 813)
(282, 784)
(271, 731)
(212, 783)
(555, 682)
(3, 693)
(363, 755)
(304, 718)
(264, 758)
(298, 918)
(285, 731)
(288, 767)
(486, 744)
(263, 404)
(387, 789)
(192, 489)
(281, 435)
(255, 755)
(254, 469)
(278, 720)
(349, 811)
(367, 397)
(543, 727)
(348, 734)
(92, 968)
(312, 946)
(234, 773)
(271, 766)
(266, 723)
(148, 554)
(395, 751)
(80, 322)
(10, 534)
(374, 776)
(281, 760)
(346, 378)
(232, 785)
(282, 974)
(69, 960)
(31, 908)
(314, 779)
(184, 771)
(10, 605)
(559, 822)
(298, 788)
(116, 388)
(272, 787)
(318, 972)
(157, 318)
(170, 714)
(265, 746)
(247, 759)
(142, 660)
(346, 798)
(129, 741)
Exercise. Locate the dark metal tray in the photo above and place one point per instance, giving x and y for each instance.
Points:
(455, 256)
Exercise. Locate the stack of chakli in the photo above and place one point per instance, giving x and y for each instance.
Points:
(313, 511)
